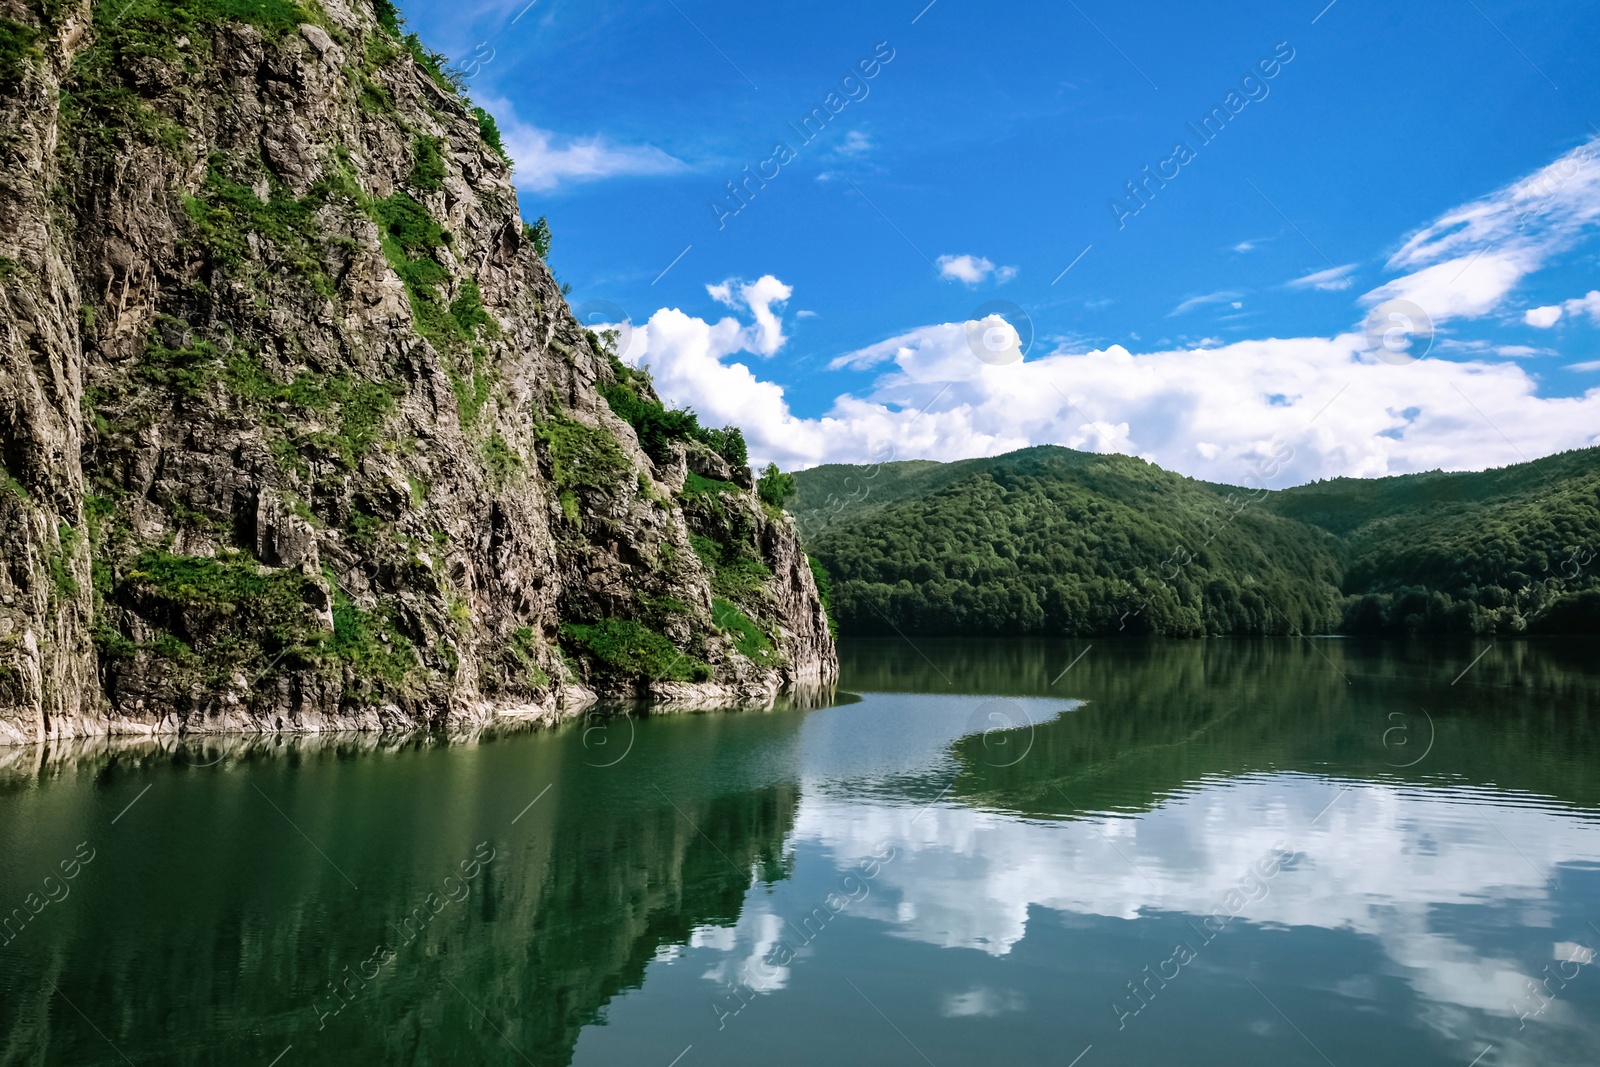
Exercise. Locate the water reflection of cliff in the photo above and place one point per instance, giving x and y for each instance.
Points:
(1164, 716)
(208, 929)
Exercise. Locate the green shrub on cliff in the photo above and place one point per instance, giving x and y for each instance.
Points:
(360, 406)
(582, 458)
(428, 170)
(19, 48)
(437, 66)
(472, 388)
(500, 460)
(225, 213)
(99, 110)
(224, 608)
(775, 487)
(489, 130)
(369, 643)
(389, 17)
(697, 487)
(281, 16)
(226, 614)
(9, 484)
(819, 574)
(408, 228)
(524, 650)
(413, 244)
(538, 235)
(623, 648)
(751, 641)
(736, 571)
(61, 562)
(187, 372)
(632, 398)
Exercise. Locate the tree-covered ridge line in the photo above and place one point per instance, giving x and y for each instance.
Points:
(1050, 540)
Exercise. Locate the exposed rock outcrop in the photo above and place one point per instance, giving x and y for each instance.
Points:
(297, 430)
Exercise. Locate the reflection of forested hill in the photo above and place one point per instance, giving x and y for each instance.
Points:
(205, 896)
(1052, 541)
(1165, 715)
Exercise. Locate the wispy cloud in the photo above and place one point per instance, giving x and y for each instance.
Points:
(856, 143)
(848, 155)
(1331, 280)
(546, 160)
(1466, 262)
(1226, 296)
(1461, 288)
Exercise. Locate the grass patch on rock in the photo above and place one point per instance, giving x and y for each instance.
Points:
(582, 459)
(413, 244)
(735, 571)
(625, 649)
(225, 213)
(751, 641)
(19, 49)
(524, 649)
(428, 169)
(216, 617)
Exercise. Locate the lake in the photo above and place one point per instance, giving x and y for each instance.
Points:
(1004, 851)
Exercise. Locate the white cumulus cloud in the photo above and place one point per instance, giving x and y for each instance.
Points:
(1210, 410)
(1542, 318)
(759, 296)
(1546, 317)
(972, 269)
(1339, 408)
(1588, 304)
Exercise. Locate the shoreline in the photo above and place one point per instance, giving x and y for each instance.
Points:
(462, 725)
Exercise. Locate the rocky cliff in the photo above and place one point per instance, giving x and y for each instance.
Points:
(297, 430)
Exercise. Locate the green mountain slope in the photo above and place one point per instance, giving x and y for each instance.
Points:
(1048, 540)
(1476, 551)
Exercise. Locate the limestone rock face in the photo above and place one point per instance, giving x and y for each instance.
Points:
(297, 431)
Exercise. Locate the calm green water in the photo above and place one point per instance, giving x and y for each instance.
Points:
(1229, 852)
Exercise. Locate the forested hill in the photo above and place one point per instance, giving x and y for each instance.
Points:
(1049, 540)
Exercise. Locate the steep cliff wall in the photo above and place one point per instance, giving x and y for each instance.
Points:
(297, 430)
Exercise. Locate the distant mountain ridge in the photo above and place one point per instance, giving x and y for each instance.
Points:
(1051, 540)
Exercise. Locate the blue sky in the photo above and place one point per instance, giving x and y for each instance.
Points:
(983, 158)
